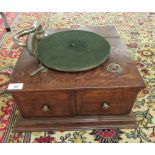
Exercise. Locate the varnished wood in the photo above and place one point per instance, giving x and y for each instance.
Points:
(75, 100)
(75, 123)
(60, 103)
(95, 78)
(120, 101)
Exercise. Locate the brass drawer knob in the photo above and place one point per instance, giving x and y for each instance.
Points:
(45, 108)
(105, 105)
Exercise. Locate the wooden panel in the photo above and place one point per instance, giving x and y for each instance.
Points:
(75, 123)
(59, 103)
(119, 100)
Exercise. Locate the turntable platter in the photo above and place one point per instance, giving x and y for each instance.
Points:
(73, 50)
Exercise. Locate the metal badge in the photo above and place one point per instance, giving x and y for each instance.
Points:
(115, 68)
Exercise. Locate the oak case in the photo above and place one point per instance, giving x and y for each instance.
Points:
(95, 98)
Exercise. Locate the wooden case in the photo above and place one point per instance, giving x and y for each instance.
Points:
(56, 100)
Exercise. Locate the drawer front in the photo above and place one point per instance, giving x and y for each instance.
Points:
(106, 102)
(45, 104)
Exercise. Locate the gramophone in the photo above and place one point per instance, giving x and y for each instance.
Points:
(69, 79)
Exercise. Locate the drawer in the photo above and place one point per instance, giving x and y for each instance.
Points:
(106, 101)
(45, 104)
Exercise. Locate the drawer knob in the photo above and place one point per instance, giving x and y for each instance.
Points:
(105, 105)
(45, 108)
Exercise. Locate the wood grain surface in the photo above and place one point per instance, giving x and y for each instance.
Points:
(75, 100)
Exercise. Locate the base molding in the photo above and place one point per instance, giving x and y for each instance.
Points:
(75, 123)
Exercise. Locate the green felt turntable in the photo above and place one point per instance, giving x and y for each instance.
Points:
(70, 50)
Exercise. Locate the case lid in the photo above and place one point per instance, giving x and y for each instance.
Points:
(97, 78)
